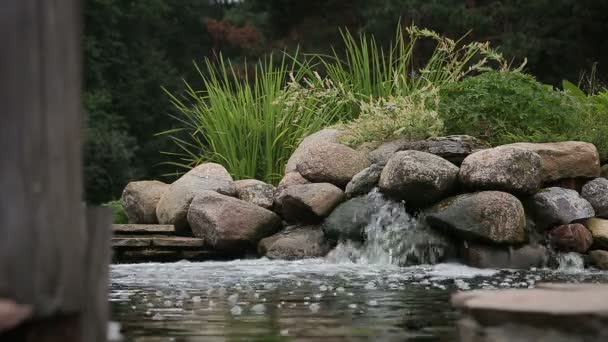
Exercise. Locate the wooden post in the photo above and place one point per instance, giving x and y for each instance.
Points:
(47, 259)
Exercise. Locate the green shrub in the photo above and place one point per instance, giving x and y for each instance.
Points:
(505, 107)
(411, 117)
(119, 216)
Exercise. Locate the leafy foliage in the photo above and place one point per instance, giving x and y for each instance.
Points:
(504, 107)
(119, 216)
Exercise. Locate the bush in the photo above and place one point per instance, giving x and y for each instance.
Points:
(119, 216)
(411, 117)
(505, 107)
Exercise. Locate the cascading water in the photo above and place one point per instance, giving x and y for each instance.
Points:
(393, 236)
(570, 262)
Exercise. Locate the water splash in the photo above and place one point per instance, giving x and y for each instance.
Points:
(393, 237)
(570, 263)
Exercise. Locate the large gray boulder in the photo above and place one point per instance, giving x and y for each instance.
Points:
(140, 199)
(173, 205)
(487, 216)
(348, 220)
(557, 206)
(453, 148)
(331, 163)
(418, 178)
(569, 159)
(596, 193)
(525, 257)
(364, 181)
(229, 224)
(327, 135)
(256, 192)
(295, 242)
(310, 203)
(504, 168)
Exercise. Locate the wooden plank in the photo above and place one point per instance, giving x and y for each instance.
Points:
(143, 228)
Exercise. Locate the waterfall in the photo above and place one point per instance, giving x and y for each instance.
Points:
(570, 262)
(393, 237)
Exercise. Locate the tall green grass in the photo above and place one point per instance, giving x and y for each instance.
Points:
(250, 122)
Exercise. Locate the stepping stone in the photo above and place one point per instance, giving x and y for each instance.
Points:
(144, 228)
(126, 241)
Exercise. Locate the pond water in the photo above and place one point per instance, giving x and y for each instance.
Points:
(308, 300)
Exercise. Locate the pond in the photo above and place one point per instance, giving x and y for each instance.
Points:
(307, 300)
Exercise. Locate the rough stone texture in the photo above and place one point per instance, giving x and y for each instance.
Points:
(547, 313)
(570, 159)
(290, 179)
(596, 192)
(556, 206)
(143, 228)
(571, 238)
(599, 259)
(599, 230)
(230, 224)
(310, 203)
(525, 257)
(173, 205)
(364, 181)
(490, 216)
(419, 178)
(511, 169)
(348, 220)
(296, 242)
(140, 199)
(604, 171)
(320, 137)
(453, 148)
(331, 163)
(256, 192)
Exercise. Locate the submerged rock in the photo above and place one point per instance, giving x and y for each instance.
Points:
(230, 224)
(364, 181)
(557, 206)
(295, 242)
(310, 202)
(256, 192)
(453, 148)
(571, 238)
(524, 257)
(322, 136)
(490, 216)
(418, 178)
(173, 205)
(569, 159)
(596, 192)
(331, 163)
(140, 200)
(599, 231)
(348, 220)
(504, 168)
(599, 259)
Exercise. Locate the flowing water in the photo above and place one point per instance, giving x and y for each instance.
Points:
(357, 293)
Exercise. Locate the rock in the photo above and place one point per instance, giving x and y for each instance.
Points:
(348, 220)
(596, 193)
(140, 199)
(230, 224)
(556, 206)
(510, 169)
(453, 148)
(490, 216)
(364, 181)
(310, 202)
(604, 171)
(599, 230)
(173, 205)
(296, 242)
(331, 163)
(571, 238)
(291, 178)
(323, 136)
(256, 192)
(419, 178)
(570, 159)
(524, 257)
(600, 259)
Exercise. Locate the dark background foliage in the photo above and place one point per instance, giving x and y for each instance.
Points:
(132, 48)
